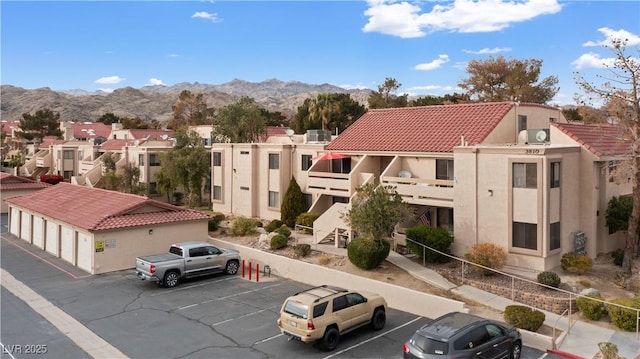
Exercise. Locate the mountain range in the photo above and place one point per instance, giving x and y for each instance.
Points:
(155, 102)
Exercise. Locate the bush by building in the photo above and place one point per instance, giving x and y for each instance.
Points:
(436, 238)
(624, 318)
(306, 219)
(524, 317)
(366, 253)
(278, 241)
(487, 254)
(574, 263)
(590, 308)
(284, 231)
(551, 279)
(302, 249)
(273, 225)
(214, 222)
(243, 226)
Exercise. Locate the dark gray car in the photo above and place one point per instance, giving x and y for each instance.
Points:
(462, 335)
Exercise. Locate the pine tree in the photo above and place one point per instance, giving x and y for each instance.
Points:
(293, 204)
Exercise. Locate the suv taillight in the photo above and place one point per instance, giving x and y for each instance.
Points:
(310, 325)
(152, 268)
(405, 348)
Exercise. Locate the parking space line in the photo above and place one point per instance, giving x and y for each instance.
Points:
(227, 297)
(244, 315)
(169, 291)
(371, 339)
(267, 339)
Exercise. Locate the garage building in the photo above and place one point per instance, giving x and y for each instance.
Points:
(98, 230)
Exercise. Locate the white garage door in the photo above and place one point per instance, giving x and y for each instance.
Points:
(52, 243)
(85, 252)
(38, 229)
(67, 244)
(25, 228)
(15, 222)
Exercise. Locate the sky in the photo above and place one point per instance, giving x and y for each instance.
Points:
(424, 45)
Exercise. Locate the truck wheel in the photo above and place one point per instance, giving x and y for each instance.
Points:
(231, 268)
(171, 279)
(378, 320)
(330, 339)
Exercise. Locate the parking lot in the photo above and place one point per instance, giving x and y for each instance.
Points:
(213, 317)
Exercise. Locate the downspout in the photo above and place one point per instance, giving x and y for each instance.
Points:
(475, 198)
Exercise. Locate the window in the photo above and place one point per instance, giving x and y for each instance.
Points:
(445, 218)
(319, 309)
(154, 159)
(522, 123)
(217, 159)
(308, 199)
(68, 155)
(444, 169)
(274, 199)
(525, 235)
(339, 303)
(141, 160)
(306, 162)
(525, 175)
(613, 166)
(217, 193)
(554, 236)
(554, 181)
(274, 161)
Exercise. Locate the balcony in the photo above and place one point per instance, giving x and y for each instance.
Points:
(333, 184)
(43, 160)
(422, 191)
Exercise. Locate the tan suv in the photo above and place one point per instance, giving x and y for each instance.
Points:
(324, 313)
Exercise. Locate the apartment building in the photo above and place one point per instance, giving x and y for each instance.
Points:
(513, 174)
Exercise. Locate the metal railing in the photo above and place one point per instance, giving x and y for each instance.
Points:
(571, 295)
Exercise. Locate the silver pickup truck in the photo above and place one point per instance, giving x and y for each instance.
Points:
(185, 260)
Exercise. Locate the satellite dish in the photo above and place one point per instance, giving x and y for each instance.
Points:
(289, 132)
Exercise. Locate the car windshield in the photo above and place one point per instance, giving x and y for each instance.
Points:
(296, 309)
(430, 346)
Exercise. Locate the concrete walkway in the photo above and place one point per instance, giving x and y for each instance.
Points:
(580, 342)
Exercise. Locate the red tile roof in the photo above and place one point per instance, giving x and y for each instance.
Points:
(8, 126)
(11, 182)
(599, 139)
(46, 142)
(421, 129)
(96, 209)
(116, 145)
(89, 130)
(151, 134)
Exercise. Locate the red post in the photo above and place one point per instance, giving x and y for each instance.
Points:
(250, 270)
(257, 272)
(243, 268)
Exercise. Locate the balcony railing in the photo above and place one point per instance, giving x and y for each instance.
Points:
(336, 184)
(421, 190)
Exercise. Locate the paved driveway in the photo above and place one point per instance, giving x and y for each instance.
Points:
(213, 317)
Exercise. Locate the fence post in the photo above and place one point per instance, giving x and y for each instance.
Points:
(257, 272)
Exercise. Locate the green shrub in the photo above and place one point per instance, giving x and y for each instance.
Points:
(366, 253)
(592, 309)
(608, 350)
(286, 232)
(278, 241)
(524, 317)
(573, 263)
(273, 225)
(551, 279)
(302, 249)
(436, 238)
(242, 226)
(214, 222)
(293, 204)
(618, 256)
(306, 219)
(624, 318)
(487, 254)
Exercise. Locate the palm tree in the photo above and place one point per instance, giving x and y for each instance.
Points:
(321, 107)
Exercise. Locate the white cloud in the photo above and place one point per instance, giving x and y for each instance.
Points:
(106, 90)
(486, 50)
(405, 20)
(610, 34)
(424, 88)
(207, 16)
(155, 82)
(441, 60)
(109, 80)
(460, 65)
(591, 60)
(174, 55)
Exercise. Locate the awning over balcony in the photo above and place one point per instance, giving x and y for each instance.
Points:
(329, 156)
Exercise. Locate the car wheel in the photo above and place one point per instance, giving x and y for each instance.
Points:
(171, 279)
(516, 350)
(330, 339)
(379, 319)
(231, 268)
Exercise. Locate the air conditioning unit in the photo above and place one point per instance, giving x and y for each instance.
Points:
(318, 136)
(538, 135)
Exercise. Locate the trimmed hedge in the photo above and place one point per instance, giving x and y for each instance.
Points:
(278, 241)
(592, 309)
(306, 219)
(549, 278)
(524, 317)
(624, 318)
(436, 238)
(273, 225)
(367, 254)
(286, 232)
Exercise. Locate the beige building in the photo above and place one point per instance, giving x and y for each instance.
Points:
(100, 231)
(513, 174)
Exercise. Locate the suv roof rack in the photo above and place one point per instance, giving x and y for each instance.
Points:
(324, 286)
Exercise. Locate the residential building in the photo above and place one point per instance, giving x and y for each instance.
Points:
(514, 174)
(12, 186)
